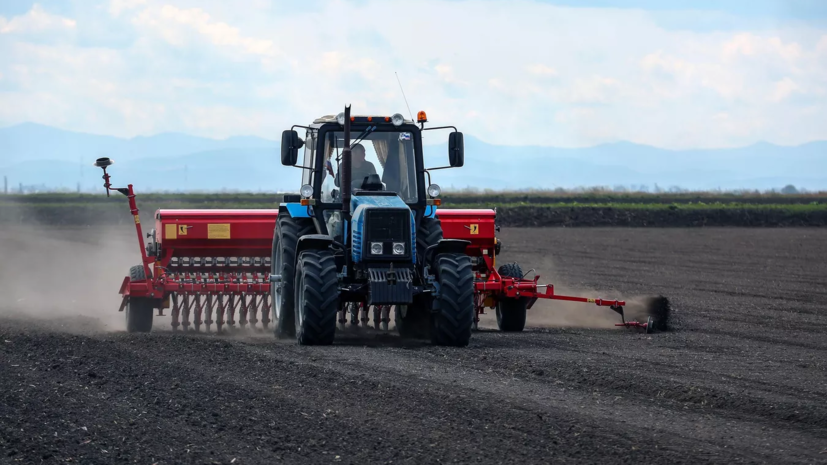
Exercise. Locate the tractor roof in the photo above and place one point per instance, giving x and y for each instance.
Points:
(332, 118)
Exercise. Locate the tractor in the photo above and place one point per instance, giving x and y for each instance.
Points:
(347, 243)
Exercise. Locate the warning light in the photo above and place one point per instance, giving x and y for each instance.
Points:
(370, 118)
(421, 117)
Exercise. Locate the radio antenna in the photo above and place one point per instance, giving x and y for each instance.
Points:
(403, 95)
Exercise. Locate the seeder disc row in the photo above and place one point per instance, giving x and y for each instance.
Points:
(192, 311)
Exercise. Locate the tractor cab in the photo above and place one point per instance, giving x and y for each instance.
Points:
(367, 204)
(383, 164)
(390, 155)
(388, 146)
(386, 161)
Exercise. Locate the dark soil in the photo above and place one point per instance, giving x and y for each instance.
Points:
(657, 217)
(637, 198)
(116, 212)
(742, 377)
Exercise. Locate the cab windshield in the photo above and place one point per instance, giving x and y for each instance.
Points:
(389, 154)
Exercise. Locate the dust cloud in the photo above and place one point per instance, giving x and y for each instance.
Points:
(66, 276)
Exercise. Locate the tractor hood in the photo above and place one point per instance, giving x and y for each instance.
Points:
(383, 219)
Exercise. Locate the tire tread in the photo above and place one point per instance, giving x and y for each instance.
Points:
(139, 310)
(287, 234)
(456, 301)
(320, 296)
(511, 313)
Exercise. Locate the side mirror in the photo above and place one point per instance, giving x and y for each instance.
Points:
(290, 145)
(456, 150)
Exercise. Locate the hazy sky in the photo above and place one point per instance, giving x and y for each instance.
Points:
(673, 74)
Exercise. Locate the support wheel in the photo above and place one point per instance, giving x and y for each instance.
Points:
(139, 310)
(511, 312)
(454, 307)
(283, 262)
(136, 273)
(317, 297)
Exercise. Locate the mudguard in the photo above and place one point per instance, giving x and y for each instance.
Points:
(445, 246)
(296, 210)
(313, 242)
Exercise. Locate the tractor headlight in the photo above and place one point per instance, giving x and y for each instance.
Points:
(340, 118)
(434, 190)
(376, 248)
(306, 191)
(399, 248)
(397, 119)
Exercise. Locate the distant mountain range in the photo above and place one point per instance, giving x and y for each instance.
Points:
(37, 155)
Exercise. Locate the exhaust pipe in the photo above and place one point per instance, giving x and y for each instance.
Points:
(345, 175)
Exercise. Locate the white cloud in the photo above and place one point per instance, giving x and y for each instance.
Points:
(596, 89)
(821, 48)
(447, 75)
(591, 75)
(541, 70)
(747, 44)
(175, 25)
(36, 20)
(783, 89)
(740, 68)
(335, 65)
(116, 7)
(574, 115)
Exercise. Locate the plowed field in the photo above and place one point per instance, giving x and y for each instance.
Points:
(742, 378)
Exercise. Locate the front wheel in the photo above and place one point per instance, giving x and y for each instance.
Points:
(283, 262)
(316, 297)
(454, 317)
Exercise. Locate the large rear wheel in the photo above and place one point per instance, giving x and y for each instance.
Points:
(317, 297)
(428, 233)
(283, 263)
(454, 317)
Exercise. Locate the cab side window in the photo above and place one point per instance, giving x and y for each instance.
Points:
(309, 156)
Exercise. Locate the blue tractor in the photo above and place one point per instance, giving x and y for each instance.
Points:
(363, 233)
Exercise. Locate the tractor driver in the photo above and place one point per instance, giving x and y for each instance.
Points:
(359, 167)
